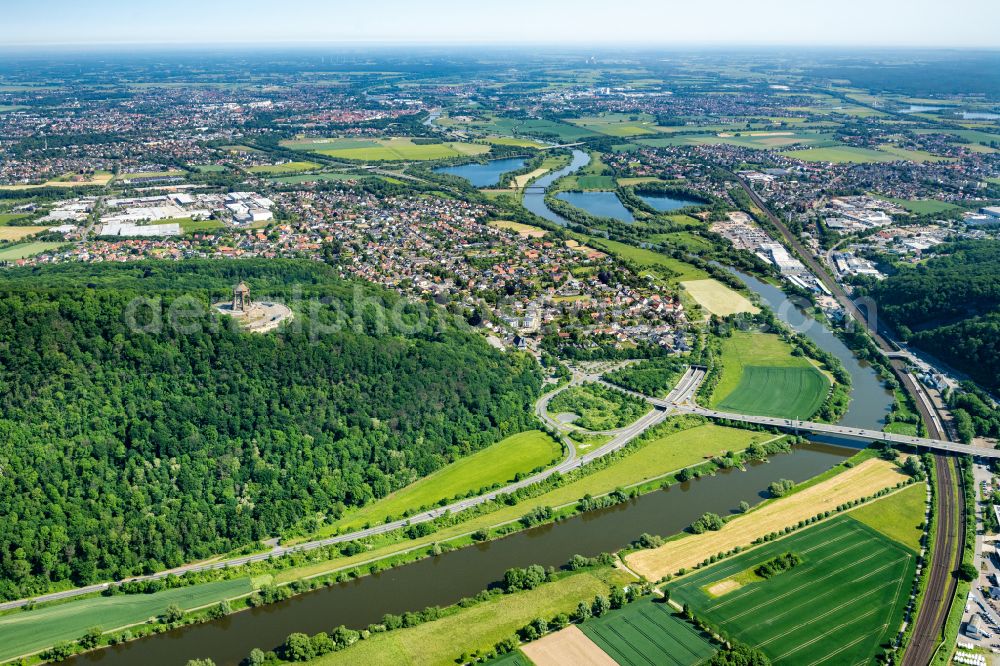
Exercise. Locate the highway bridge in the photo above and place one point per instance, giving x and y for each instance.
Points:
(681, 400)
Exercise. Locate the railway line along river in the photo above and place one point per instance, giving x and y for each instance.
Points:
(446, 578)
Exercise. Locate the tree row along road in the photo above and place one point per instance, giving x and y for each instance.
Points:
(570, 462)
(949, 539)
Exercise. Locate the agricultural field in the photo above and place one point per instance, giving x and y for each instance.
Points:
(761, 376)
(899, 516)
(763, 140)
(394, 149)
(566, 646)
(438, 643)
(17, 233)
(648, 632)
(841, 155)
(974, 136)
(22, 632)
(919, 156)
(618, 124)
(767, 391)
(839, 605)
(852, 483)
(598, 407)
(499, 463)
(287, 167)
(318, 178)
(512, 141)
(24, 250)
(717, 298)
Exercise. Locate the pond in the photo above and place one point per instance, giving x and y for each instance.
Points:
(664, 203)
(484, 175)
(598, 204)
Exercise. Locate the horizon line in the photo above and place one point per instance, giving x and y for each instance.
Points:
(617, 45)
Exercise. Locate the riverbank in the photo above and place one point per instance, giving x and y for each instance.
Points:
(342, 574)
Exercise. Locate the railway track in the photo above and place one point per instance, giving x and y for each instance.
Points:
(949, 542)
(949, 539)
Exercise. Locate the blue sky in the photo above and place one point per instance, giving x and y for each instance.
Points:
(930, 23)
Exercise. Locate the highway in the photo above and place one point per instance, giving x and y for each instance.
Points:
(682, 401)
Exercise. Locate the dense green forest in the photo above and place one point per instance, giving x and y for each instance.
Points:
(950, 307)
(124, 452)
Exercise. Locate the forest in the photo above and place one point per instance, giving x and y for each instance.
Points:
(949, 306)
(126, 451)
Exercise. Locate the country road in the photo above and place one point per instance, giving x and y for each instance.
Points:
(570, 462)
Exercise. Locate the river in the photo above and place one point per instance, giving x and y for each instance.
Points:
(534, 194)
(445, 579)
(870, 400)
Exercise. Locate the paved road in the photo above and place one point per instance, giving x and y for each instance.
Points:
(950, 507)
(572, 461)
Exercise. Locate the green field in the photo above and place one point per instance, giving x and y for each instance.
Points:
(511, 141)
(598, 407)
(838, 606)
(786, 392)
(647, 632)
(149, 174)
(595, 182)
(209, 168)
(924, 206)
(440, 642)
(193, 226)
(7, 218)
(27, 631)
(671, 451)
(666, 267)
(761, 376)
(618, 124)
(386, 150)
(899, 516)
(318, 178)
(762, 140)
(24, 250)
(287, 167)
(499, 463)
(535, 127)
(919, 156)
(841, 155)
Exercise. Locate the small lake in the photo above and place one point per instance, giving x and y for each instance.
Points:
(484, 175)
(598, 204)
(664, 203)
(917, 108)
(968, 115)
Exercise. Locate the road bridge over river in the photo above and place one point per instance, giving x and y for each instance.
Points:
(682, 401)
